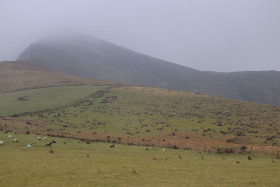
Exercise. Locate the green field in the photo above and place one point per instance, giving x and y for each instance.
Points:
(39, 99)
(75, 163)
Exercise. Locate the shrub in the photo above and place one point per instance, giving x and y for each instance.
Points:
(243, 148)
(228, 150)
(229, 140)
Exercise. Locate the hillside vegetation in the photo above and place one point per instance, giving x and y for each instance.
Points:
(94, 58)
(26, 75)
(156, 117)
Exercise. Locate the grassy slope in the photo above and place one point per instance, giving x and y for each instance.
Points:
(25, 75)
(95, 164)
(43, 98)
(150, 116)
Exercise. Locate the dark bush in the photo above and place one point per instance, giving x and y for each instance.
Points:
(229, 140)
(243, 148)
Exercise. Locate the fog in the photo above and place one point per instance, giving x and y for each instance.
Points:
(208, 35)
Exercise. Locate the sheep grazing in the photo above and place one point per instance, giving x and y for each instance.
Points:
(53, 141)
(15, 140)
(39, 138)
(9, 136)
(45, 138)
(28, 145)
(112, 146)
(49, 144)
(1, 142)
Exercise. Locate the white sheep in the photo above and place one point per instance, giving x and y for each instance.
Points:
(9, 136)
(45, 138)
(39, 138)
(15, 140)
(1, 142)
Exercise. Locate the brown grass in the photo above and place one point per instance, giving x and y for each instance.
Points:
(25, 75)
(196, 142)
(134, 171)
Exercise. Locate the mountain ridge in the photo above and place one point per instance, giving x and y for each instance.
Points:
(98, 59)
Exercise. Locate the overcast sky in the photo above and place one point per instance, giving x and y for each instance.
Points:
(211, 35)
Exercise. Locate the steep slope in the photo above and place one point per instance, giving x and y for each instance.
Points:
(94, 58)
(25, 75)
(262, 86)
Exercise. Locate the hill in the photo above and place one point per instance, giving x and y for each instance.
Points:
(26, 75)
(98, 59)
(144, 116)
